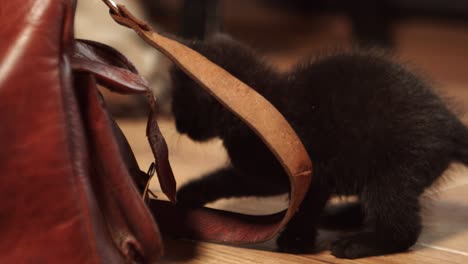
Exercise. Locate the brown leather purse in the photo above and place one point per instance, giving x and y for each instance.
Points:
(71, 188)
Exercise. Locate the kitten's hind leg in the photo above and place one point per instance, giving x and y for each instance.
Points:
(342, 216)
(395, 225)
(301, 232)
(224, 183)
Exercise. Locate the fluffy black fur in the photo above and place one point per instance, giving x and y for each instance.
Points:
(372, 128)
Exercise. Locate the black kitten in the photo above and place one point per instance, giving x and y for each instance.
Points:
(372, 129)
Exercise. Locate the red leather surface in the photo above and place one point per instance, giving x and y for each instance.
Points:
(39, 206)
(66, 187)
(128, 220)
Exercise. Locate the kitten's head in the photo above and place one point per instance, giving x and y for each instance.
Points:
(196, 113)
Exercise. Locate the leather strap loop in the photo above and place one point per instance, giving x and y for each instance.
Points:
(253, 109)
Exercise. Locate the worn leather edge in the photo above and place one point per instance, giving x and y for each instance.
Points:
(115, 72)
(132, 227)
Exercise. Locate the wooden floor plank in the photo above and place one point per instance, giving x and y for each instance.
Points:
(191, 252)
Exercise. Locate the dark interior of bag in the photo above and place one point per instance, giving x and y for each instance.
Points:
(431, 36)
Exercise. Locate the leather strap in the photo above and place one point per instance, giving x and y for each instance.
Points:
(115, 72)
(253, 109)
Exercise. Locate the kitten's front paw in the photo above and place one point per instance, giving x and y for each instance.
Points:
(342, 216)
(191, 196)
(295, 242)
(358, 246)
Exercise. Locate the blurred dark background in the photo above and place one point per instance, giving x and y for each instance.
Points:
(430, 35)
(370, 20)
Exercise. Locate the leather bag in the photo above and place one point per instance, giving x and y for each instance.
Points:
(71, 188)
(67, 190)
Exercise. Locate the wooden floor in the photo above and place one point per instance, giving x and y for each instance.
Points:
(444, 239)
